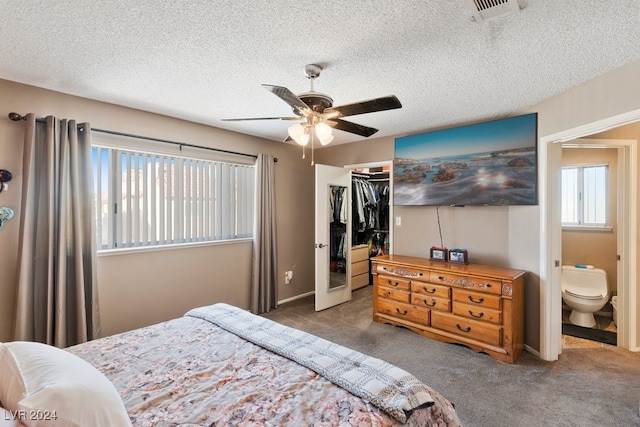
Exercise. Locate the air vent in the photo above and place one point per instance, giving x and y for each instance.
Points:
(488, 9)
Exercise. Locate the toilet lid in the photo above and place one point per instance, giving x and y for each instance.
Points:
(583, 292)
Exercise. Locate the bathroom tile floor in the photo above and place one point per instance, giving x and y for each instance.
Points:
(602, 322)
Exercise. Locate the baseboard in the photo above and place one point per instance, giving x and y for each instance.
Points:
(532, 351)
(296, 297)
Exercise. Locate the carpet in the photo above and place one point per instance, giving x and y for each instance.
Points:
(585, 387)
(599, 335)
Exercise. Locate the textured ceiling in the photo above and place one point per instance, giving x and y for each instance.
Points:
(204, 60)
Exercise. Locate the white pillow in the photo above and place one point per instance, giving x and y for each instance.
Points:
(47, 386)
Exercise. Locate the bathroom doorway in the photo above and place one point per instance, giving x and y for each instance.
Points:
(590, 229)
(550, 234)
(550, 199)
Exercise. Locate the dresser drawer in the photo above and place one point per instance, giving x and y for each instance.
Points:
(393, 282)
(359, 267)
(472, 283)
(429, 289)
(404, 272)
(394, 294)
(359, 253)
(360, 281)
(477, 299)
(485, 332)
(478, 313)
(433, 303)
(403, 311)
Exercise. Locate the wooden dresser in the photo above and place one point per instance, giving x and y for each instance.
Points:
(476, 305)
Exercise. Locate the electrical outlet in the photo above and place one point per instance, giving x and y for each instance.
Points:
(288, 275)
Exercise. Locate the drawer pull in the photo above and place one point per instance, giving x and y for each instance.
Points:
(393, 284)
(404, 312)
(433, 302)
(467, 329)
(387, 294)
(429, 291)
(477, 316)
(478, 301)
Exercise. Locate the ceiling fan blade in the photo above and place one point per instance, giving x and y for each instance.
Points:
(371, 106)
(351, 127)
(287, 96)
(261, 118)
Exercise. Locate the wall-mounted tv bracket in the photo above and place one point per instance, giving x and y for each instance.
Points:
(5, 215)
(5, 176)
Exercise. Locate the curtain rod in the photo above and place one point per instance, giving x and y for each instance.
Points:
(17, 117)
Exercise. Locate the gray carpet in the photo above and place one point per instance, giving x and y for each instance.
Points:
(586, 387)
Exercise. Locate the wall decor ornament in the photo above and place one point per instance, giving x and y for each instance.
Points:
(5, 215)
(5, 176)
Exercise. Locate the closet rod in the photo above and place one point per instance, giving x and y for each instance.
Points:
(17, 117)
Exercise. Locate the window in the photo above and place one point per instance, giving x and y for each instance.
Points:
(150, 199)
(584, 196)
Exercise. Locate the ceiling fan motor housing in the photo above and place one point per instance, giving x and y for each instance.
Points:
(316, 101)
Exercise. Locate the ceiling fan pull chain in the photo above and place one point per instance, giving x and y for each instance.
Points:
(312, 150)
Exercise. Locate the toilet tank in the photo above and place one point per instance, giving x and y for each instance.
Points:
(590, 278)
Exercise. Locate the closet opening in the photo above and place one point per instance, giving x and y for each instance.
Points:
(371, 213)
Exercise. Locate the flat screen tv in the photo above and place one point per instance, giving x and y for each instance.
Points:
(493, 163)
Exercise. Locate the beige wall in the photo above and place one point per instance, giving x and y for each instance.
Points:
(598, 248)
(140, 288)
(502, 236)
(506, 236)
(499, 235)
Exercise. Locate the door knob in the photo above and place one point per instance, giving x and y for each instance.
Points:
(320, 245)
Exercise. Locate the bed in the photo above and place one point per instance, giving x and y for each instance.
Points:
(216, 365)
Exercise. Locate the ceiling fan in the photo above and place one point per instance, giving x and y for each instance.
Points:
(318, 116)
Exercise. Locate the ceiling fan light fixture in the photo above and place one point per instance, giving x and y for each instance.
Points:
(326, 140)
(323, 132)
(299, 133)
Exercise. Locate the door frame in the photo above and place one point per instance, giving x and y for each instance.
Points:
(550, 292)
(377, 165)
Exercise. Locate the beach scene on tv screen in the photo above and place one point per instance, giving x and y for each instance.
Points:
(491, 163)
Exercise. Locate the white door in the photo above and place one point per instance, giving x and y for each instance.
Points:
(333, 236)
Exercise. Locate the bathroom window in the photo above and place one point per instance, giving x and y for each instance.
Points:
(584, 196)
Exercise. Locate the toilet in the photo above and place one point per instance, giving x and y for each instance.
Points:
(585, 291)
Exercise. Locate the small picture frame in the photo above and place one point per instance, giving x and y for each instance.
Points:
(438, 254)
(460, 256)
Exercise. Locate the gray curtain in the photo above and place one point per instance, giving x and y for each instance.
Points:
(57, 300)
(264, 280)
